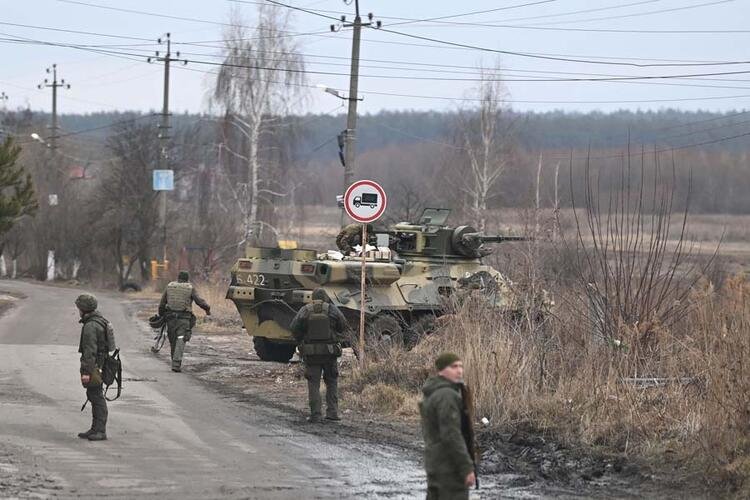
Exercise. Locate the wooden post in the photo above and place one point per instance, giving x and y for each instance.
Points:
(362, 297)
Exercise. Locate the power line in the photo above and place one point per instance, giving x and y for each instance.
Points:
(453, 16)
(555, 58)
(640, 14)
(405, 77)
(324, 34)
(518, 54)
(77, 32)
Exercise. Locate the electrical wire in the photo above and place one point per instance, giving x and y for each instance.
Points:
(555, 58)
(131, 56)
(399, 77)
(640, 14)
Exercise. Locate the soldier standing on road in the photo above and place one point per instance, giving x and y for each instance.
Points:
(319, 328)
(177, 305)
(93, 349)
(448, 462)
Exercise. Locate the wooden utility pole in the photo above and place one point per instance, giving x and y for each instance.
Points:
(55, 181)
(350, 137)
(164, 128)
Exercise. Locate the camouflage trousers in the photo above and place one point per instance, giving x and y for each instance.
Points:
(178, 327)
(99, 412)
(436, 493)
(329, 370)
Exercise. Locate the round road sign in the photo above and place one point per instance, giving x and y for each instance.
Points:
(365, 201)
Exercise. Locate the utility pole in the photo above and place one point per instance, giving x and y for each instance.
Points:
(164, 136)
(350, 136)
(55, 184)
(52, 139)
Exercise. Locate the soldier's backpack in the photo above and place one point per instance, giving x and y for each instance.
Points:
(112, 365)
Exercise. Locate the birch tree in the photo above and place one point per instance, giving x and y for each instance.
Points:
(486, 140)
(261, 74)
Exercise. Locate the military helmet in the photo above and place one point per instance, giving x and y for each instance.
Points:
(156, 321)
(86, 302)
(183, 276)
(320, 294)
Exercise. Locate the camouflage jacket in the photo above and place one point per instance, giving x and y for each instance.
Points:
(195, 298)
(91, 344)
(447, 459)
(298, 326)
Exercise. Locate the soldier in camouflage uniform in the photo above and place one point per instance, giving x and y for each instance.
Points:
(93, 349)
(319, 328)
(351, 236)
(448, 462)
(177, 305)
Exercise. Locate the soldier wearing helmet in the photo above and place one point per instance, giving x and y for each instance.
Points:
(351, 236)
(319, 328)
(93, 349)
(177, 305)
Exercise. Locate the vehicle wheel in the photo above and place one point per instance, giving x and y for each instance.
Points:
(419, 329)
(273, 351)
(383, 333)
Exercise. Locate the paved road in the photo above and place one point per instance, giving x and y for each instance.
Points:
(169, 436)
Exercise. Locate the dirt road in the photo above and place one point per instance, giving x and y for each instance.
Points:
(169, 435)
(229, 426)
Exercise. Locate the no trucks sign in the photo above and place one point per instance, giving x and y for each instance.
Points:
(365, 201)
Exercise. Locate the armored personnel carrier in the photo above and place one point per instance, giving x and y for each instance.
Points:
(424, 269)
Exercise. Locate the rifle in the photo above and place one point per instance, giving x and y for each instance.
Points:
(467, 428)
(160, 338)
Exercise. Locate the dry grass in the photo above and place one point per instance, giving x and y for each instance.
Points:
(561, 379)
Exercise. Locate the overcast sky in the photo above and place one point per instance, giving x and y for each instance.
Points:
(551, 28)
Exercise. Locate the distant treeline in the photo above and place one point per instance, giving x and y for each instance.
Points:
(418, 155)
(533, 131)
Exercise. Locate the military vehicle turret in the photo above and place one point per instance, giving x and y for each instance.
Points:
(424, 269)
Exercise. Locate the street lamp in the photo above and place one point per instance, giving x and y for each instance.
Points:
(38, 138)
(331, 91)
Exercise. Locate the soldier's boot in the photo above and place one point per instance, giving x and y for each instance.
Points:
(85, 435)
(98, 436)
(179, 350)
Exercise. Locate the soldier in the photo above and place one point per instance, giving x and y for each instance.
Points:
(319, 328)
(93, 349)
(351, 236)
(448, 461)
(177, 305)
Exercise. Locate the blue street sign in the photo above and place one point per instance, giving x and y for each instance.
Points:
(163, 180)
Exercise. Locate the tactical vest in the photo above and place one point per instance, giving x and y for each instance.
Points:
(179, 297)
(319, 325)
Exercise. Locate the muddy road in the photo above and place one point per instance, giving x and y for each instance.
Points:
(229, 426)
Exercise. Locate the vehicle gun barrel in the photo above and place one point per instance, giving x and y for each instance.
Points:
(478, 238)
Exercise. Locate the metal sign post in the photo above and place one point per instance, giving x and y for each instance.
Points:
(365, 202)
(362, 294)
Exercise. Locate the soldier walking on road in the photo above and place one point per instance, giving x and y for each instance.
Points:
(177, 306)
(94, 349)
(319, 328)
(447, 431)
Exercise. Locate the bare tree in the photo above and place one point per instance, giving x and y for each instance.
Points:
(486, 142)
(261, 73)
(126, 204)
(634, 263)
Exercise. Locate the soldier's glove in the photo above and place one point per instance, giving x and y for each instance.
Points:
(187, 336)
(208, 312)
